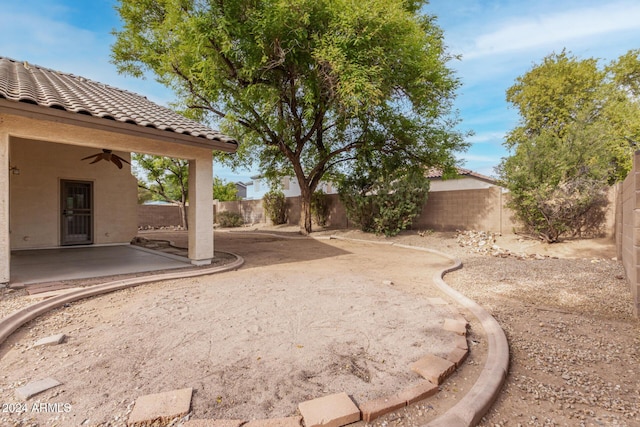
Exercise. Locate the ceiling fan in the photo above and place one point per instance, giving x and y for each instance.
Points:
(108, 156)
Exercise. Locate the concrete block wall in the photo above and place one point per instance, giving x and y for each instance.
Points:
(156, 216)
(479, 209)
(628, 229)
(251, 211)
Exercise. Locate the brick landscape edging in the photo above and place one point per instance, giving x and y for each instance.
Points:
(469, 410)
(474, 405)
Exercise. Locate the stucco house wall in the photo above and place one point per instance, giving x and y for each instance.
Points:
(35, 194)
(463, 183)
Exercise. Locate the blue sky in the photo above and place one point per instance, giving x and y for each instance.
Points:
(499, 40)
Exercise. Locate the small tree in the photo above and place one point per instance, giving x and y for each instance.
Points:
(384, 203)
(275, 206)
(165, 178)
(578, 125)
(224, 191)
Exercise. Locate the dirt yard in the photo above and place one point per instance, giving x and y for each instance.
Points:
(237, 337)
(302, 319)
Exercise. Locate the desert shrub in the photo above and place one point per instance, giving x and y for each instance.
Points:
(230, 219)
(320, 208)
(275, 206)
(575, 207)
(385, 205)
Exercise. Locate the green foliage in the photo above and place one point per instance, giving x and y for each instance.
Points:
(144, 195)
(224, 191)
(163, 178)
(320, 208)
(576, 135)
(306, 85)
(275, 206)
(230, 219)
(384, 203)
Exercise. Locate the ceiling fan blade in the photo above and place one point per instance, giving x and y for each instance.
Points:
(121, 159)
(116, 161)
(93, 155)
(108, 156)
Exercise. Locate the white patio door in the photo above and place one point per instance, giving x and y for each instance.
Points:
(77, 212)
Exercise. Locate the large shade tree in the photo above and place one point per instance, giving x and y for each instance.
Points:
(307, 86)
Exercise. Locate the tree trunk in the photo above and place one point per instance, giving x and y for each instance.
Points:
(183, 216)
(305, 210)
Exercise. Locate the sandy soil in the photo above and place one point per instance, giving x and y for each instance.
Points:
(303, 318)
(574, 343)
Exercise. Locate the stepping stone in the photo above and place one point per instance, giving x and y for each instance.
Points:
(457, 326)
(276, 422)
(52, 340)
(335, 410)
(160, 407)
(35, 387)
(214, 423)
(433, 368)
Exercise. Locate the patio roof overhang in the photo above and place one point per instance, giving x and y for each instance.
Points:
(46, 105)
(56, 116)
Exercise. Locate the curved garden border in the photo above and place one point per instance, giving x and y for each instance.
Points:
(12, 322)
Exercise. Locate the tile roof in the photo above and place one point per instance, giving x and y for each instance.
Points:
(24, 82)
(435, 173)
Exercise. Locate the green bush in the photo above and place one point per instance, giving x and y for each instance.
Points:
(386, 205)
(320, 208)
(230, 219)
(275, 206)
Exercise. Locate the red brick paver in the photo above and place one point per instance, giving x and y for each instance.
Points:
(160, 407)
(276, 422)
(378, 407)
(433, 368)
(419, 392)
(334, 410)
(214, 423)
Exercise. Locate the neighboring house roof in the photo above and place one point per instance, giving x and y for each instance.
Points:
(30, 84)
(435, 173)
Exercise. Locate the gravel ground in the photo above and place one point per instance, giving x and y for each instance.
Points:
(575, 345)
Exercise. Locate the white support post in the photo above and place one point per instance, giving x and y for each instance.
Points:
(200, 210)
(5, 240)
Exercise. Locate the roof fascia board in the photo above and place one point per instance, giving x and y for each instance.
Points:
(61, 116)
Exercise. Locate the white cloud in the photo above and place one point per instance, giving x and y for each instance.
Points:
(488, 137)
(522, 34)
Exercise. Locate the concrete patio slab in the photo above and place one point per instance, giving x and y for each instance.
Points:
(47, 265)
